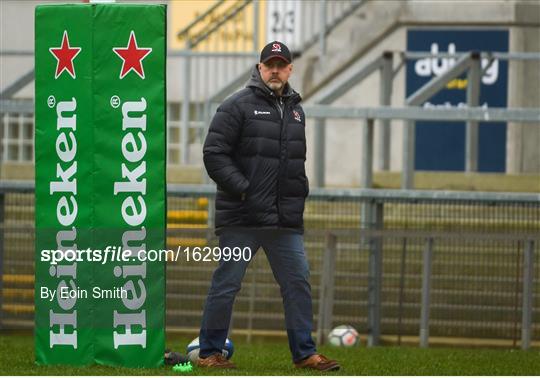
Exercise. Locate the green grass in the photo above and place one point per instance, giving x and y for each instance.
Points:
(272, 358)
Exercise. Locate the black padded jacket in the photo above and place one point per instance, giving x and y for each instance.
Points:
(255, 151)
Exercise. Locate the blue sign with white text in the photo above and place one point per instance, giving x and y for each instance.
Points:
(440, 146)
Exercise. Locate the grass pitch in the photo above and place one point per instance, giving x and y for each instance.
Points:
(273, 358)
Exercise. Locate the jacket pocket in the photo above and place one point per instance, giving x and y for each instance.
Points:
(225, 195)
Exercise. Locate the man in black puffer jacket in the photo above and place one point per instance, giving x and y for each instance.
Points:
(255, 151)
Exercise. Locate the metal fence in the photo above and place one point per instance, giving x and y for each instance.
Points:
(467, 62)
(394, 264)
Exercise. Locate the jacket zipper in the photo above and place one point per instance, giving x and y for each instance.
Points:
(279, 103)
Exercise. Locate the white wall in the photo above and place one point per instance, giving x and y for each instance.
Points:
(17, 33)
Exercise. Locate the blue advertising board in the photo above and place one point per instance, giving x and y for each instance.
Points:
(440, 146)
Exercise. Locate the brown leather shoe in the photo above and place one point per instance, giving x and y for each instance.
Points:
(318, 362)
(215, 361)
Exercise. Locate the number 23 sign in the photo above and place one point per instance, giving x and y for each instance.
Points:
(283, 23)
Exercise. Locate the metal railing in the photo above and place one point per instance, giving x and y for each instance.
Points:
(222, 44)
(449, 265)
(320, 113)
(17, 126)
(384, 64)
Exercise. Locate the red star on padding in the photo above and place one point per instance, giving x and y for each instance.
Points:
(64, 56)
(132, 56)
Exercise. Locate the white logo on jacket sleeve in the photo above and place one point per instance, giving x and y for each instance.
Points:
(257, 112)
(297, 116)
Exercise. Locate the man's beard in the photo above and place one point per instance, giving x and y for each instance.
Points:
(275, 85)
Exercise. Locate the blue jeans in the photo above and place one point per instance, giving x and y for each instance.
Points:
(285, 253)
